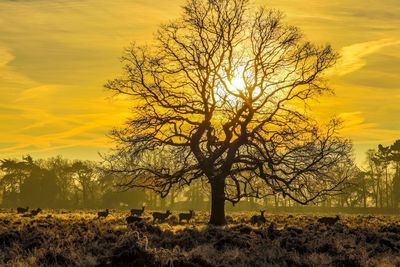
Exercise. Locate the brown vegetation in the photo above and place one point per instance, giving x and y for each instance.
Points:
(79, 239)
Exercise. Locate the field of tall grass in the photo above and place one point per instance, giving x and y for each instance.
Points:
(78, 238)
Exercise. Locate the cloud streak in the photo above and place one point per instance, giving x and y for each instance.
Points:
(353, 57)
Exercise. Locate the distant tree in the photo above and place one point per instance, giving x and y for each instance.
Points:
(376, 172)
(27, 183)
(196, 195)
(224, 86)
(61, 168)
(355, 194)
(85, 180)
(14, 174)
(40, 189)
(395, 157)
(383, 155)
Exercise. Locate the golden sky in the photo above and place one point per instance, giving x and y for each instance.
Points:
(55, 55)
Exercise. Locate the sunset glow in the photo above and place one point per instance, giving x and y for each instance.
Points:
(55, 57)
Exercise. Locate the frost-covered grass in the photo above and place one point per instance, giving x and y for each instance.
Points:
(79, 238)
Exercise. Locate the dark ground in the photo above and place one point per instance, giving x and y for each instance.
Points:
(62, 238)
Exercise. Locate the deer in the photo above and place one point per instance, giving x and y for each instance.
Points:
(329, 220)
(35, 212)
(22, 210)
(186, 216)
(133, 219)
(103, 214)
(137, 212)
(258, 219)
(160, 216)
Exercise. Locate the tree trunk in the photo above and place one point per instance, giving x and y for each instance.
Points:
(364, 191)
(387, 188)
(218, 202)
(172, 199)
(379, 195)
(84, 196)
(396, 187)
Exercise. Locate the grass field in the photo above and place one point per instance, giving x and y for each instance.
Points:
(65, 238)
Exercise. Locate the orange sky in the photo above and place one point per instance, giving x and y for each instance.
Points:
(56, 55)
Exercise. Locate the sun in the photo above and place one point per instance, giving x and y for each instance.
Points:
(232, 88)
(236, 85)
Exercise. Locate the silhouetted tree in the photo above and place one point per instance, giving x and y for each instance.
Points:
(84, 175)
(224, 86)
(64, 175)
(375, 170)
(27, 183)
(395, 157)
(40, 189)
(355, 194)
(15, 173)
(383, 156)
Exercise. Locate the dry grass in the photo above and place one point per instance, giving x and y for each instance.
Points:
(80, 239)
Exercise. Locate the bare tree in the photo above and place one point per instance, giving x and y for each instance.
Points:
(225, 87)
(395, 157)
(383, 155)
(85, 180)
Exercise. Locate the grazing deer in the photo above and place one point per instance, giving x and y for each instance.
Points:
(137, 212)
(22, 210)
(35, 212)
(186, 216)
(329, 220)
(258, 219)
(103, 214)
(159, 216)
(132, 219)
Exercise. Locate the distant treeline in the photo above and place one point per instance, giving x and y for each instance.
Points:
(376, 185)
(62, 183)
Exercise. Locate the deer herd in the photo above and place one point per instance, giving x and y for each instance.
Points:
(136, 215)
(25, 213)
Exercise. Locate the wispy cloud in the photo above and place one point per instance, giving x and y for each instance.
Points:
(357, 128)
(353, 57)
(8, 74)
(46, 118)
(5, 57)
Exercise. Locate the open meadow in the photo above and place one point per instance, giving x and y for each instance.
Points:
(79, 238)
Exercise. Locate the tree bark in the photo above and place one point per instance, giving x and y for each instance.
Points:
(387, 187)
(218, 202)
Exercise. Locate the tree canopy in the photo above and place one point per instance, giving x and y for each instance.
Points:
(221, 95)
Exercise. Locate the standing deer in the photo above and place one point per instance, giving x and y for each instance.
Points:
(159, 216)
(137, 212)
(186, 216)
(258, 219)
(22, 210)
(36, 212)
(33, 213)
(103, 214)
(329, 220)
